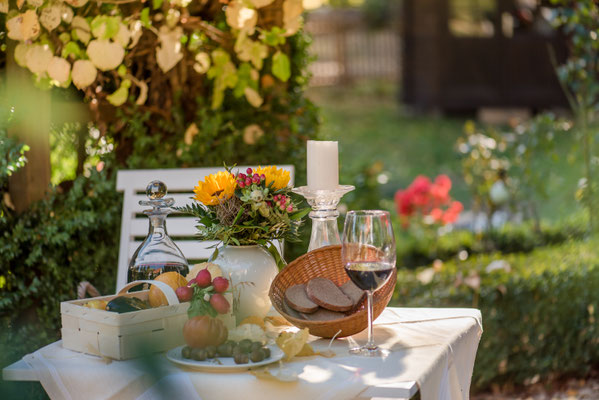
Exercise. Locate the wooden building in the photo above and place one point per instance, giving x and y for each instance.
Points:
(460, 55)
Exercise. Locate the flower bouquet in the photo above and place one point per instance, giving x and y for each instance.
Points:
(251, 208)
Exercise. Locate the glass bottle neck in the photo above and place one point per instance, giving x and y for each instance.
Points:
(157, 224)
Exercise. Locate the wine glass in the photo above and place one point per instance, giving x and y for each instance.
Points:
(368, 253)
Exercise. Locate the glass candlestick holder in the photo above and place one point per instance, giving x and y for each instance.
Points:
(324, 213)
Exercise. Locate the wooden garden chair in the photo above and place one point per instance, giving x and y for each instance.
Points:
(134, 224)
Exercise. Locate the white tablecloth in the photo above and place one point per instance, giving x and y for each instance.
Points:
(434, 347)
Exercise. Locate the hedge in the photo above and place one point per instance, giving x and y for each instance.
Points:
(46, 252)
(539, 315)
(418, 251)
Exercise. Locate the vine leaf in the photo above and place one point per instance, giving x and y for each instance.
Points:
(281, 68)
(105, 54)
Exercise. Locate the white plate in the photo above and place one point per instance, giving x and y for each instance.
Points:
(227, 364)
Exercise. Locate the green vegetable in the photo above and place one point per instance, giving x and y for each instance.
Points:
(124, 304)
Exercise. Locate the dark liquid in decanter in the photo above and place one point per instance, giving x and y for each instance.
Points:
(151, 271)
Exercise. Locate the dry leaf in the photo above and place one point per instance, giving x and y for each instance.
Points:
(261, 3)
(252, 133)
(4, 6)
(66, 13)
(59, 70)
(170, 51)
(202, 64)
(50, 17)
(84, 73)
(76, 3)
(82, 29)
(292, 342)
(190, 132)
(35, 3)
(123, 35)
(292, 12)
(24, 26)
(241, 17)
(253, 97)
(38, 58)
(105, 55)
(21, 50)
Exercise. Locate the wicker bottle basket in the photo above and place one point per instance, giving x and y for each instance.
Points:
(326, 263)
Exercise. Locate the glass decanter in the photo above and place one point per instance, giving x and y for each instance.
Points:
(158, 253)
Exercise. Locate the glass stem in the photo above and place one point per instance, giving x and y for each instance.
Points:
(370, 344)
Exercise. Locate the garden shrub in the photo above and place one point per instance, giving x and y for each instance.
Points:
(46, 252)
(415, 251)
(539, 314)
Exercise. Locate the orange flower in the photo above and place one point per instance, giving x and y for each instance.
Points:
(215, 189)
(277, 176)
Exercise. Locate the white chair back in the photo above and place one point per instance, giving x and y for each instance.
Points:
(134, 224)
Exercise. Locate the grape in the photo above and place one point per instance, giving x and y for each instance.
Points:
(257, 355)
(186, 352)
(210, 351)
(266, 352)
(241, 358)
(199, 354)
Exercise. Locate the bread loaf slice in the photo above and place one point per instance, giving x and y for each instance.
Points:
(323, 315)
(353, 292)
(296, 298)
(327, 295)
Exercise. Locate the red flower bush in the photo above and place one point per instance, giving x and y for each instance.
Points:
(428, 200)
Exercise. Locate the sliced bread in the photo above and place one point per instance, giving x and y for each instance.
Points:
(353, 292)
(296, 298)
(326, 294)
(323, 315)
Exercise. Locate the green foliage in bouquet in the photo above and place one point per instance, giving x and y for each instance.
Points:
(246, 209)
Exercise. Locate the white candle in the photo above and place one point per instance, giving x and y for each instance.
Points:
(323, 165)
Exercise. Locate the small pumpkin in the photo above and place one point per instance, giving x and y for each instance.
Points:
(173, 279)
(203, 330)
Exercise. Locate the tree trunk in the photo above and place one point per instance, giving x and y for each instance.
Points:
(32, 127)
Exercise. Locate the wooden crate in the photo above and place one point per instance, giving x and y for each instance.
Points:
(127, 335)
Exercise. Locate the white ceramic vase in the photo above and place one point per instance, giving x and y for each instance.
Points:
(251, 270)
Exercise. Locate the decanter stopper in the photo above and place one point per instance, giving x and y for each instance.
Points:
(156, 190)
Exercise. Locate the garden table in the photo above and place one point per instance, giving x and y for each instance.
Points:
(432, 350)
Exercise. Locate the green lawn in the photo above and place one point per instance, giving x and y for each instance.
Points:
(372, 126)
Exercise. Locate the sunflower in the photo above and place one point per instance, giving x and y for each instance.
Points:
(215, 189)
(278, 176)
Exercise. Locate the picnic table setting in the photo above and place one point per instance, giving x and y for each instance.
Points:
(244, 323)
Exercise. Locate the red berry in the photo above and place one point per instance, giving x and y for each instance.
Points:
(220, 303)
(220, 284)
(204, 278)
(184, 293)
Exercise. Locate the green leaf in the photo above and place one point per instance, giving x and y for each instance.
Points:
(281, 68)
(105, 27)
(119, 97)
(71, 49)
(144, 17)
(300, 214)
(274, 37)
(156, 4)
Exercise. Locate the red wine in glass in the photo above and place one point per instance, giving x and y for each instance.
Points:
(369, 275)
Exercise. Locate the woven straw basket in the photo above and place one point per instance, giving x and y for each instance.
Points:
(326, 262)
